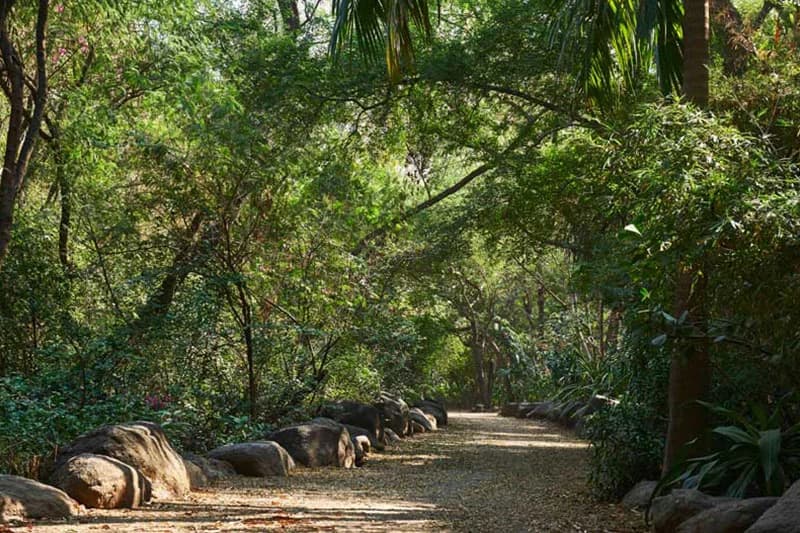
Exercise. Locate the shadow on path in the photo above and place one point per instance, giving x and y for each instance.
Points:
(483, 473)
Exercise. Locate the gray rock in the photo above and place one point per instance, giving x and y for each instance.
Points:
(256, 459)
(316, 445)
(142, 445)
(783, 517)
(22, 499)
(426, 421)
(731, 517)
(435, 408)
(357, 437)
(394, 413)
(670, 511)
(356, 414)
(639, 496)
(542, 410)
(102, 482)
(213, 469)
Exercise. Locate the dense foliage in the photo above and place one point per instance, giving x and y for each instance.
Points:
(220, 226)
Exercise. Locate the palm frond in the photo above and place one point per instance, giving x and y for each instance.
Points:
(617, 41)
(373, 25)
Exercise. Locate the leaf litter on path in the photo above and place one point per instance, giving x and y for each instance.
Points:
(482, 473)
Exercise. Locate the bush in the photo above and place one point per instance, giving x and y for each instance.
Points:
(37, 418)
(627, 446)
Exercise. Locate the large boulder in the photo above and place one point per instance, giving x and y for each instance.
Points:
(428, 422)
(670, 511)
(357, 436)
(255, 459)
(639, 496)
(213, 469)
(731, 517)
(783, 517)
(356, 414)
(317, 445)
(435, 408)
(394, 413)
(142, 445)
(102, 482)
(23, 499)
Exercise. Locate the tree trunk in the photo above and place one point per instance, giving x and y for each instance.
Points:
(612, 329)
(290, 14)
(480, 374)
(247, 334)
(540, 308)
(22, 133)
(695, 51)
(690, 365)
(690, 375)
(65, 189)
(737, 49)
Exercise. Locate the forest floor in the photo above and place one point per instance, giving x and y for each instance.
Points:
(483, 473)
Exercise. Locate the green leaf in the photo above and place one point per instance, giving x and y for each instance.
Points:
(769, 445)
(736, 434)
(660, 340)
(633, 229)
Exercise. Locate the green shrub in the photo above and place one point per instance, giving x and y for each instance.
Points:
(756, 456)
(627, 446)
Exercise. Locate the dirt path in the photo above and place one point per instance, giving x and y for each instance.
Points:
(483, 473)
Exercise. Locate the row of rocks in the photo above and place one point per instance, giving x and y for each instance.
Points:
(125, 465)
(570, 413)
(691, 511)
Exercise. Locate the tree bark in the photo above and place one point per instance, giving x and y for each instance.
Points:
(247, 334)
(690, 364)
(21, 135)
(695, 51)
(540, 307)
(690, 375)
(737, 47)
(65, 188)
(290, 14)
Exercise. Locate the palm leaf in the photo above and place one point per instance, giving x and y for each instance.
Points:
(618, 40)
(375, 25)
(769, 445)
(736, 434)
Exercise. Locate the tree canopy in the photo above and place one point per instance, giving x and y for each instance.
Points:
(219, 214)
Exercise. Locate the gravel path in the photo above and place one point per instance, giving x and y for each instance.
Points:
(483, 473)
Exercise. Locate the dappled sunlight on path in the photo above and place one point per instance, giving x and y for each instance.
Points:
(482, 473)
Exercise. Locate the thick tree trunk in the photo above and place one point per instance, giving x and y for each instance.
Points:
(690, 365)
(695, 51)
(690, 375)
(290, 14)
